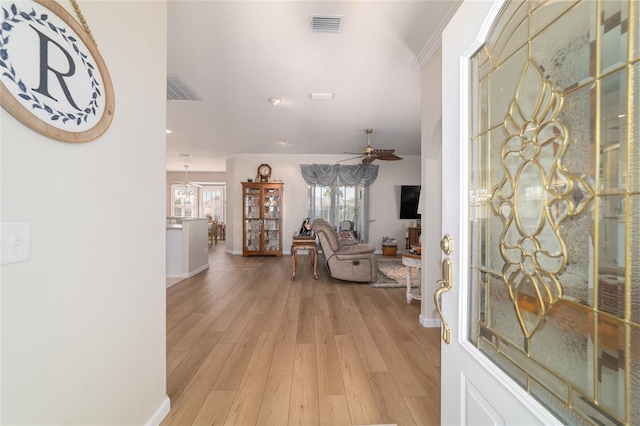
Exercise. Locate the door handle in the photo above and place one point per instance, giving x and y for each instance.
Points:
(445, 285)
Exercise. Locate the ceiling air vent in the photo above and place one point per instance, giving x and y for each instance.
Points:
(177, 90)
(325, 24)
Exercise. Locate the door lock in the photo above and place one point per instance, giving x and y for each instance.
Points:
(446, 244)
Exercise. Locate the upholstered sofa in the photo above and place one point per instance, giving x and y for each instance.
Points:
(350, 262)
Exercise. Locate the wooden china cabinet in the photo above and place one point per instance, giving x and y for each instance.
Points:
(261, 218)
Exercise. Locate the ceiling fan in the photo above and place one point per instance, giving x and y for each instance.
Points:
(369, 154)
(186, 181)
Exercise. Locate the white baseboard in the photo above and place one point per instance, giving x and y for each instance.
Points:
(430, 322)
(195, 271)
(160, 413)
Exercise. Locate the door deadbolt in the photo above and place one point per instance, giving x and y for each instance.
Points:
(446, 244)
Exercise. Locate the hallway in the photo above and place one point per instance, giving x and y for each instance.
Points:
(246, 345)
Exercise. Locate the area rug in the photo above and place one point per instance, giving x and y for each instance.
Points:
(392, 274)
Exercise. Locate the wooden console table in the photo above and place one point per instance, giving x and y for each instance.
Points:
(304, 243)
(412, 261)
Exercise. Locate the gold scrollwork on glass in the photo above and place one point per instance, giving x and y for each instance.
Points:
(533, 198)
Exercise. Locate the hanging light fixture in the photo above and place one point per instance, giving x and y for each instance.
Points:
(186, 192)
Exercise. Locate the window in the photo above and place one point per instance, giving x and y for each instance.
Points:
(338, 203)
(183, 201)
(212, 202)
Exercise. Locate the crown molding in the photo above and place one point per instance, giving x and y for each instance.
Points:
(434, 43)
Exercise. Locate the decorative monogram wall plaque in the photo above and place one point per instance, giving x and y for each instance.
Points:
(53, 77)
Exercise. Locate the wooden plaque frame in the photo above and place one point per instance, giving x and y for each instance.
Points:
(89, 57)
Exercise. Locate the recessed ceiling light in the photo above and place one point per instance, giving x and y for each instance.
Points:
(183, 154)
(321, 96)
(169, 131)
(285, 142)
(275, 101)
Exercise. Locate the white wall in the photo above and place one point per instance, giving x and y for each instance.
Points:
(384, 195)
(431, 112)
(83, 321)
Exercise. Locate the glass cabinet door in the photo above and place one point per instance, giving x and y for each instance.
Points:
(252, 222)
(271, 217)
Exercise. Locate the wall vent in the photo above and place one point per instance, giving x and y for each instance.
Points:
(325, 23)
(178, 90)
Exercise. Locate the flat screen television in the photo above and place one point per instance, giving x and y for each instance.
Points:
(409, 197)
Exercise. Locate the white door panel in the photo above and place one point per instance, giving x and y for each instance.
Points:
(474, 391)
(540, 158)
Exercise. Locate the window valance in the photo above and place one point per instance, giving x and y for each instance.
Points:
(325, 174)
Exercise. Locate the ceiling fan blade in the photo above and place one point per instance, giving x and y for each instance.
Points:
(347, 159)
(386, 155)
(368, 160)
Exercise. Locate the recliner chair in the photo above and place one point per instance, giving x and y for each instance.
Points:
(355, 262)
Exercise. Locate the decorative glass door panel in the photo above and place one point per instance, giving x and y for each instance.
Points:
(271, 215)
(252, 221)
(554, 202)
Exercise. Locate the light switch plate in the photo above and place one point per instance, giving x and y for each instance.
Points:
(15, 237)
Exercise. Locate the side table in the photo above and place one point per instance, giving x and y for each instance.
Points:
(304, 243)
(412, 261)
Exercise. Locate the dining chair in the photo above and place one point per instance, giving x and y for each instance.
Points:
(213, 232)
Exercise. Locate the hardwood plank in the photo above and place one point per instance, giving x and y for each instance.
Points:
(228, 316)
(183, 328)
(306, 321)
(334, 410)
(389, 400)
(232, 372)
(423, 368)
(215, 408)
(196, 392)
(423, 410)
(238, 324)
(245, 407)
(304, 409)
(320, 307)
(274, 408)
(306, 288)
(284, 354)
(328, 364)
(360, 296)
(184, 372)
(371, 358)
(209, 321)
(360, 398)
(174, 358)
(382, 305)
(403, 375)
(336, 313)
(278, 304)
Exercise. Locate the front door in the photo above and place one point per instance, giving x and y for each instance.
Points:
(541, 200)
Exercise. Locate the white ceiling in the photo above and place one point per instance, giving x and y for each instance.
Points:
(236, 54)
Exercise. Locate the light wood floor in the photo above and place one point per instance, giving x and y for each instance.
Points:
(246, 346)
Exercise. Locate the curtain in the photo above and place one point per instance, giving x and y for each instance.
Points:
(325, 174)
